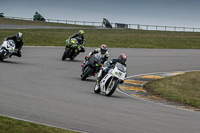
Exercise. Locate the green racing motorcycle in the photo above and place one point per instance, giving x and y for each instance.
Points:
(71, 49)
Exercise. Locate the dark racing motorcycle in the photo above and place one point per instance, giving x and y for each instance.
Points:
(106, 23)
(38, 18)
(91, 67)
(71, 49)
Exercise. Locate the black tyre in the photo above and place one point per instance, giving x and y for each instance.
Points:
(2, 55)
(111, 87)
(97, 88)
(86, 73)
(65, 54)
(43, 19)
(110, 26)
(72, 57)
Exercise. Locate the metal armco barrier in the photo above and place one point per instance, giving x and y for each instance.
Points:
(130, 26)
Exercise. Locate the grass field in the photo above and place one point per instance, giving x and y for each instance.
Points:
(183, 88)
(112, 37)
(127, 38)
(9, 125)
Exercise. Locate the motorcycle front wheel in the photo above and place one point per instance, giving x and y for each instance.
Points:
(2, 54)
(112, 85)
(65, 54)
(97, 88)
(86, 73)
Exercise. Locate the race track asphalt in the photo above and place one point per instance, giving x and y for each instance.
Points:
(40, 87)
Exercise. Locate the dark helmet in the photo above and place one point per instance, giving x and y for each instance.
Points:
(19, 36)
(104, 48)
(36, 12)
(122, 58)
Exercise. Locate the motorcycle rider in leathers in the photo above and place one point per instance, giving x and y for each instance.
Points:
(18, 42)
(102, 50)
(104, 70)
(81, 40)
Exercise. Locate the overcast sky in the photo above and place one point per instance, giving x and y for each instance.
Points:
(184, 13)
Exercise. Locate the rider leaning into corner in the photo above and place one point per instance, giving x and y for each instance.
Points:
(104, 70)
(81, 40)
(37, 16)
(18, 42)
(102, 50)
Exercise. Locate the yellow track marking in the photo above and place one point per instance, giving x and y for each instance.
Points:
(138, 96)
(173, 74)
(133, 88)
(185, 108)
(152, 77)
(135, 82)
(148, 96)
(155, 97)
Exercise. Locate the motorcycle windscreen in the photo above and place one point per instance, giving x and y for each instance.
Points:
(97, 59)
(119, 71)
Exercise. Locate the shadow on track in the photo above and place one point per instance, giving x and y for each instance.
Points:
(72, 61)
(114, 95)
(89, 80)
(86, 80)
(14, 62)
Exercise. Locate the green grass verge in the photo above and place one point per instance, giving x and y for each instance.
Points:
(184, 88)
(125, 38)
(9, 125)
(38, 23)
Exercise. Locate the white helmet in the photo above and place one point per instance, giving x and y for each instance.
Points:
(19, 36)
(104, 48)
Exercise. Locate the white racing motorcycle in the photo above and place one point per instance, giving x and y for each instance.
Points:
(6, 49)
(109, 82)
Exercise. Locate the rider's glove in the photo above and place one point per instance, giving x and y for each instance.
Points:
(121, 81)
(111, 66)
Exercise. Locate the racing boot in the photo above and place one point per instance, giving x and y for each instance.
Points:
(82, 49)
(10, 55)
(18, 54)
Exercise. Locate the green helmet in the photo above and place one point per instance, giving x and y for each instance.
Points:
(81, 32)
